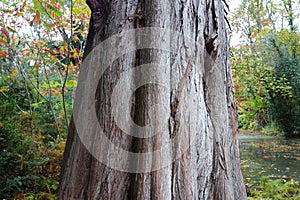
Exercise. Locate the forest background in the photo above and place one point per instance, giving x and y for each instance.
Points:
(41, 47)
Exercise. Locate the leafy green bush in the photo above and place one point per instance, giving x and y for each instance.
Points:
(284, 91)
(249, 72)
(271, 129)
(30, 153)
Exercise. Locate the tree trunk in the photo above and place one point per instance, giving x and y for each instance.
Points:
(202, 159)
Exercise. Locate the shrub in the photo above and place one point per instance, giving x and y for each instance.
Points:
(275, 189)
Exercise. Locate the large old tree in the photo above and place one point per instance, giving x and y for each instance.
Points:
(200, 113)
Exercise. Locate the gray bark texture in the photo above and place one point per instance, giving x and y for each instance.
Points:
(210, 168)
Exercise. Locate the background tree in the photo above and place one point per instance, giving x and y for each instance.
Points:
(266, 66)
(210, 168)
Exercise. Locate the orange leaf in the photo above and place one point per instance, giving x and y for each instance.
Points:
(12, 74)
(53, 58)
(4, 32)
(21, 165)
(23, 6)
(2, 43)
(3, 90)
(237, 86)
(52, 25)
(2, 54)
(61, 50)
(54, 92)
(37, 19)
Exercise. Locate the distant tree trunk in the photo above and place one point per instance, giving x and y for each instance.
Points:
(210, 168)
(289, 10)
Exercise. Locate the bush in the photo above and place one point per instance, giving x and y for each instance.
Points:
(271, 129)
(30, 156)
(284, 91)
(275, 189)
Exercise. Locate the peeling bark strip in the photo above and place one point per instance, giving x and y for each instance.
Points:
(175, 104)
(210, 168)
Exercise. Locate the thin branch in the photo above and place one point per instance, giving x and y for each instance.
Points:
(67, 70)
(50, 97)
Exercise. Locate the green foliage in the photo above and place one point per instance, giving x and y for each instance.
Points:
(249, 73)
(39, 59)
(266, 69)
(285, 93)
(26, 152)
(271, 129)
(275, 189)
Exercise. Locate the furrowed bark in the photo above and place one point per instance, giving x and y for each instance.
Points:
(209, 169)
